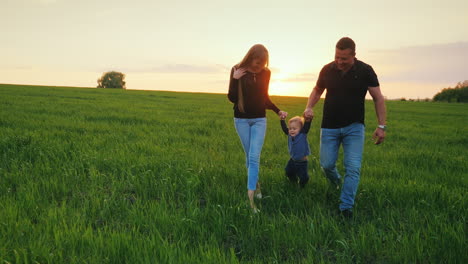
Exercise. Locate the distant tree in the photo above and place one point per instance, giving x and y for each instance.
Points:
(112, 79)
(459, 94)
(462, 84)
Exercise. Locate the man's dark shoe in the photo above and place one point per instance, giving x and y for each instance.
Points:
(347, 213)
(334, 184)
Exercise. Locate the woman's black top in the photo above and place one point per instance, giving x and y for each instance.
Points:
(255, 94)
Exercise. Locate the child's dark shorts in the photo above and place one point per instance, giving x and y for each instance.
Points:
(297, 169)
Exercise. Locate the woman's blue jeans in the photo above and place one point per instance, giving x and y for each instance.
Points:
(251, 132)
(352, 139)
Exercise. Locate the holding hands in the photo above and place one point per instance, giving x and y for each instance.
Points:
(308, 119)
(308, 113)
(282, 114)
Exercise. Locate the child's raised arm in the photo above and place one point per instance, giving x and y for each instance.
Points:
(284, 127)
(307, 124)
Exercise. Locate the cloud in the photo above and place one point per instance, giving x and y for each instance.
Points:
(177, 68)
(303, 77)
(187, 68)
(17, 67)
(423, 64)
(46, 2)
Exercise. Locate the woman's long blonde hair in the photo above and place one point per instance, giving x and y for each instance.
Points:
(257, 51)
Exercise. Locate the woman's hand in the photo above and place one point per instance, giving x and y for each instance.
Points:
(238, 73)
(282, 114)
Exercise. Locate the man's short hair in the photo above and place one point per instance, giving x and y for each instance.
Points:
(346, 43)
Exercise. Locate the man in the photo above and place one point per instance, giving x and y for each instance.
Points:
(347, 81)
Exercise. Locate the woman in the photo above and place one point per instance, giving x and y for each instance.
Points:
(248, 90)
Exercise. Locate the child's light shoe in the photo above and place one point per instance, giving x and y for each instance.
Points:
(258, 194)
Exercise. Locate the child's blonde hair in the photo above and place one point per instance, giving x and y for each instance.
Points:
(299, 119)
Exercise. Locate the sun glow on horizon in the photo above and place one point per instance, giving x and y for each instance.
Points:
(285, 88)
(291, 79)
(279, 84)
(293, 73)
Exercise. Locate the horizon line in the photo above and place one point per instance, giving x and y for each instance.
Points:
(172, 91)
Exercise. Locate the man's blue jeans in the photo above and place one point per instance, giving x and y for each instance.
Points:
(352, 139)
(251, 132)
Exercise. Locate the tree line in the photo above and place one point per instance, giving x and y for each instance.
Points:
(459, 94)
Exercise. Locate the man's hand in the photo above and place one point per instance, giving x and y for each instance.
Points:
(378, 136)
(308, 113)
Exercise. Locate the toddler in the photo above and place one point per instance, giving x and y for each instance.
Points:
(298, 147)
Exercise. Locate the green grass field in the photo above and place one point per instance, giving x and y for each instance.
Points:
(121, 176)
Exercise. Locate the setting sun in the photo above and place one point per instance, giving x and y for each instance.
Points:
(291, 81)
(279, 87)
(294, 72)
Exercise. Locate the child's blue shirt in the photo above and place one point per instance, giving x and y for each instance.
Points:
(298, 146)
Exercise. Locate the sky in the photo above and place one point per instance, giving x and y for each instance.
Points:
(416, 47)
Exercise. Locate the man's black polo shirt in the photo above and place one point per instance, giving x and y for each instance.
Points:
(344, 102)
